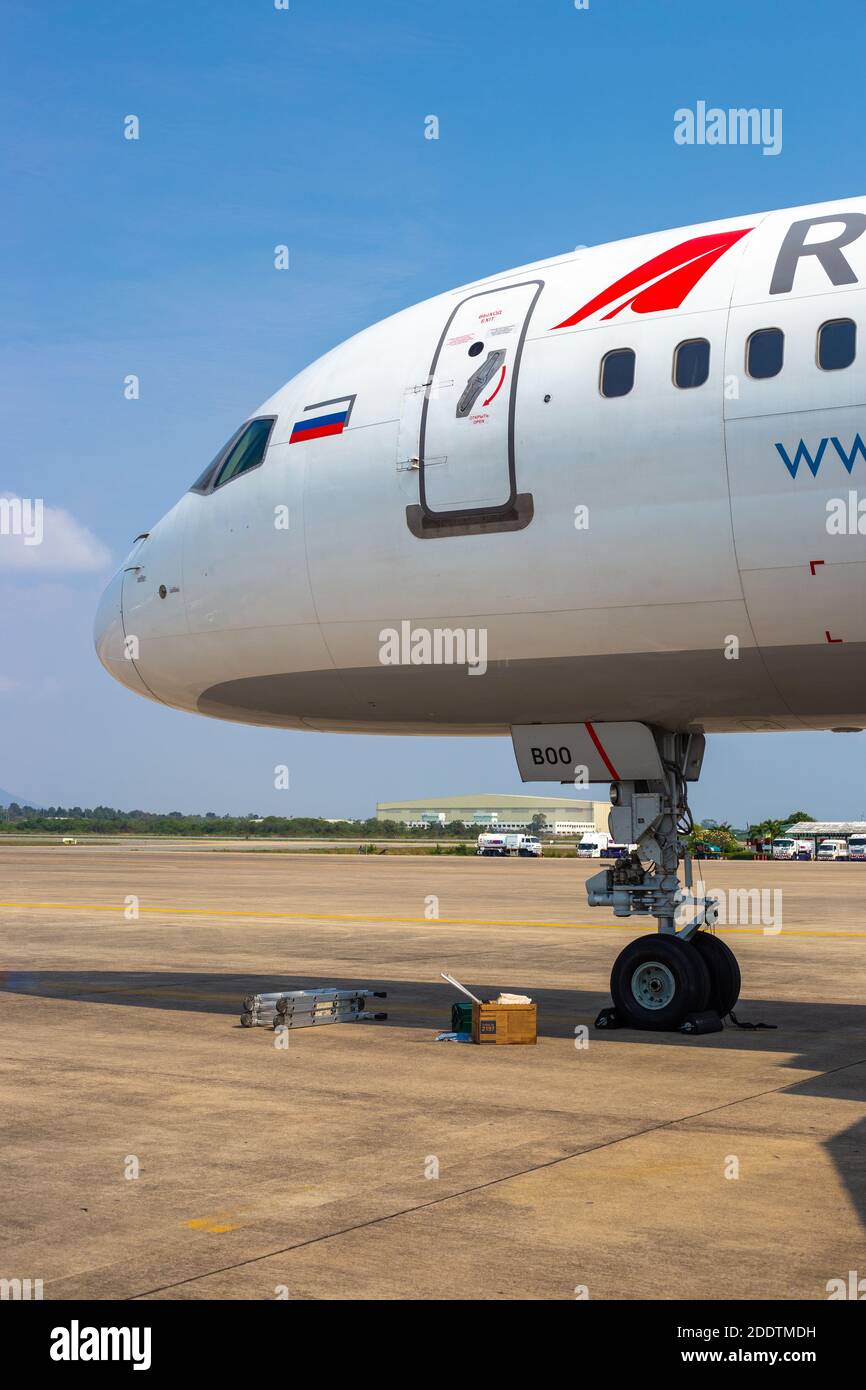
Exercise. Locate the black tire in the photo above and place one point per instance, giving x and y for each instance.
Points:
(724, 971)
(681, 973)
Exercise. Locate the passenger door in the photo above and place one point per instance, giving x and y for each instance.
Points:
(457, 427)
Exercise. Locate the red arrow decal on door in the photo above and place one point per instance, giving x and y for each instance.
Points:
(498, 387)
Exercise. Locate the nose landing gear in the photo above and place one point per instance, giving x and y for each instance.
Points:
(684, 977)
(658, 982)
(724, 972)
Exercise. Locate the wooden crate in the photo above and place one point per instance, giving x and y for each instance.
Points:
(504, 1023)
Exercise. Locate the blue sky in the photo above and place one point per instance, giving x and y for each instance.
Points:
(306, 127)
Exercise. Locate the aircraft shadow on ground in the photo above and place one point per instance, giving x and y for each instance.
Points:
(811, 1030)
(810, 1033)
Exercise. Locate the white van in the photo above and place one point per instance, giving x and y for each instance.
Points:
(857, 847)
(527, 846)
(833, 849)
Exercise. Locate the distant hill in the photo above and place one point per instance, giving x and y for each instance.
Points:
(6, 799)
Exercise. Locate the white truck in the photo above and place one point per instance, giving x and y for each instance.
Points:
(599, 845)
(857, 847)
(593, 844)
(527, 846)
(833, 849)
(786, 847)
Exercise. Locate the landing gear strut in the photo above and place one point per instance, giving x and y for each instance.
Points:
(658, 982)
(685, 977)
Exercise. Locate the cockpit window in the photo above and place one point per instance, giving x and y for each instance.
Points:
(203, 482)
(245, 450)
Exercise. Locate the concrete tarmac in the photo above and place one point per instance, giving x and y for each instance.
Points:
(369, 1161)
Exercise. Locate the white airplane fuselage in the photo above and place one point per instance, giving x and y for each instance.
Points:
(473, 536)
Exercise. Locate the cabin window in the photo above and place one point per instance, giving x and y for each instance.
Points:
(691, 363)
(765, 352)
(617, 372)
(837, 344)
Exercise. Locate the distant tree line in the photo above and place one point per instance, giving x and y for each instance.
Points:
(766, 830)
(761, 832)
(105, 820)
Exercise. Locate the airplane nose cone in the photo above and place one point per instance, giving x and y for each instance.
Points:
(108, 636)
(108, 624)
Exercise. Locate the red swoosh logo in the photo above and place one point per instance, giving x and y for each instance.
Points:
(680, 268)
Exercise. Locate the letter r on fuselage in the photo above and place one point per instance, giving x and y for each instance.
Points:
(829, 253)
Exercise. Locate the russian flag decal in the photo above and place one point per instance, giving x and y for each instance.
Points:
(322, 418)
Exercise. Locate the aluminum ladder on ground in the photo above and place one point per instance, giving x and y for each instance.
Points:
(306, 1008)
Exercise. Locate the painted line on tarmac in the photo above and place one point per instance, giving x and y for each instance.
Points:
(402, 921)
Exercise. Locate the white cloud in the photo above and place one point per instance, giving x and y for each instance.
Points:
(35, 538)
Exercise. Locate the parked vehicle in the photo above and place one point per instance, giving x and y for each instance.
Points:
(599, 845)
(492, 844)
(526, 846)
(593, 844)
(857, 847)
(786, 847)
(704, 850)
(833, 849)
